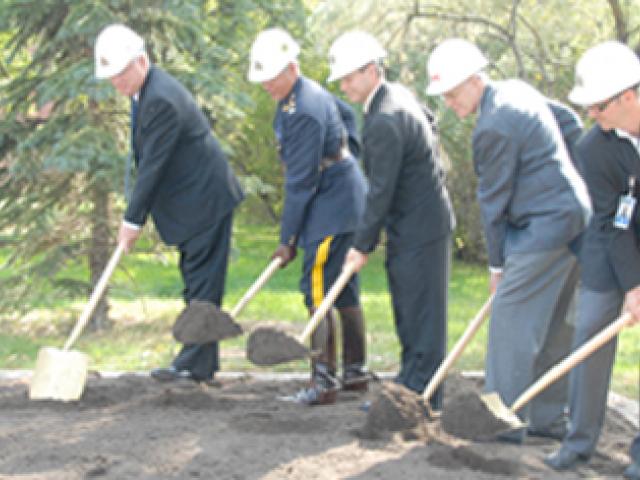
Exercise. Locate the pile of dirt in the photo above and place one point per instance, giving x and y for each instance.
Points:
(134, 427)
(466, 416)
(271, 344)
(203, 322)
(395, 409)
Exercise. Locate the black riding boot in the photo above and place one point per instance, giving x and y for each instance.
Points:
(355, 375)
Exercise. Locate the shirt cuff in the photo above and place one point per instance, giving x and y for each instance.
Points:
(132, 226)
(495, 269)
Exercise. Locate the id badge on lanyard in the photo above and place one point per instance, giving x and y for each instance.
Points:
(626, 206)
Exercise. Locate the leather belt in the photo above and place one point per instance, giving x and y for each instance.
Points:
(327, 162)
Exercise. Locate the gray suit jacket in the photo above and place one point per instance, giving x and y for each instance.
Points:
(407, 193)
(530, 194)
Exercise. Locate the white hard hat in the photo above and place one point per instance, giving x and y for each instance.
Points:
(451, 63)
(353, 50)
(272, 50)
(604, 71)
(116, 46)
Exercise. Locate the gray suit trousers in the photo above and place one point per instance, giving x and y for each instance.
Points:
(531, 329)
(589, 381)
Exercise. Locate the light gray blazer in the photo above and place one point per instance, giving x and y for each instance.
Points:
(531, 196)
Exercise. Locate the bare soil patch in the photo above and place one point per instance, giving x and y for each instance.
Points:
(131, 427)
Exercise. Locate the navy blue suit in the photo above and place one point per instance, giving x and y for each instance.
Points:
(318, 201)
(185, 183)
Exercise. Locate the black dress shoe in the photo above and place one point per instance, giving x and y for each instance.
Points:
(170, 374)
(632, 472)
(515, 437)
(557, 430)
(565, 459)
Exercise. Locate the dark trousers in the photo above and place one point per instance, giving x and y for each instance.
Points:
(418, 281)
(203, 265)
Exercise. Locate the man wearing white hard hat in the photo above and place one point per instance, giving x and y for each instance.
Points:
(408, 198)
(534, 208)
(183, 182)
(324, 198)
(606, 84)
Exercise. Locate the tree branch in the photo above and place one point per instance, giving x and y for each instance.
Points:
(622, 33)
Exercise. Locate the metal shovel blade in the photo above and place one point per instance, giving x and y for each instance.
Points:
(203, 322)
(59, 375)
(500, 411)
(270, 345)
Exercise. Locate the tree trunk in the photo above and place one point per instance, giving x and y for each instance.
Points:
(99, 251)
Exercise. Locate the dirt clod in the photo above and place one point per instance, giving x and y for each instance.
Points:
(203, 322)
(274, 344)
(394, 409)
(465, 415)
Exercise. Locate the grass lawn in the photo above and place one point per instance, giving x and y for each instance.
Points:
(145, 298)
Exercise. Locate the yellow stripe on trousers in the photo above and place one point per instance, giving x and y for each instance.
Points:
(317, 274)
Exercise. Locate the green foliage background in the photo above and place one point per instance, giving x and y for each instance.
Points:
(64, 136)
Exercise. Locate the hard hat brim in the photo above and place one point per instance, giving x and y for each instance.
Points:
(579, 96)
(440, 87)
(259, 76)
(103, 72)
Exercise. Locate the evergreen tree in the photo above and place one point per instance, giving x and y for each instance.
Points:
(64, 136)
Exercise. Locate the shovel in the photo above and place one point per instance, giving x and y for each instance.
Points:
(270, 346)
(203, 322)
(62, 374)
(499, 409)
(456, 351)
(392, 403)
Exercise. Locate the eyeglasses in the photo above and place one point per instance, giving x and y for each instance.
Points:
(602, 106)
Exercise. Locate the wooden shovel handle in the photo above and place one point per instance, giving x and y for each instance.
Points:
(95, 297)
(328, 301)
(457, 350)
(257, 285)
(561, 368)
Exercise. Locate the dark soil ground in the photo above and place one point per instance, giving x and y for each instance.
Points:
(131, 427)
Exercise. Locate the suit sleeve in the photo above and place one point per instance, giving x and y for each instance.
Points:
(570, 127)
(605, 190)
(302, 157)
(383, 149)
(495, 156)
(349, 120)
(160, 130)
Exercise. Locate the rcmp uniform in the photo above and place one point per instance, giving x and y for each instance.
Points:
(324, 200)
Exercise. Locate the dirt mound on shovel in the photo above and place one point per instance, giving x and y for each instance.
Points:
(394, 409)
(272, 344)
(465, 415)
(202, 322)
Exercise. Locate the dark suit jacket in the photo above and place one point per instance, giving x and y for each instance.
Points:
(531, 196)
(183, 180)
(407, 194)
(610, 257)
